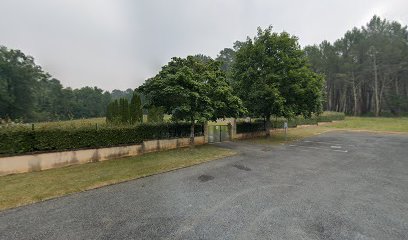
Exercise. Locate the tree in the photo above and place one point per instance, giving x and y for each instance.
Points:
(192, 90)
(155, 114)
(366, 70)
(19, 76)
(226, 57)
(135, 109)
(272, 77)
(118, 94)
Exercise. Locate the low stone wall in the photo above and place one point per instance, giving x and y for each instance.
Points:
(43, 161)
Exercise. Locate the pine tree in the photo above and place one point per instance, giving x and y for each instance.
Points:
(124, 111)
(135, 108)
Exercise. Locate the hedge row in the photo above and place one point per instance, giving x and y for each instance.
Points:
(246, 127)
(258, 125)
(314, 120)
(23, 141)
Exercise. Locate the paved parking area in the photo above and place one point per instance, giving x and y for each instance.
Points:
(338, 185)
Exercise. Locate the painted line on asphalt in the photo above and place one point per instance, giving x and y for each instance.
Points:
(331, 143)
(335, 146)
(343, 151)
(334, 150)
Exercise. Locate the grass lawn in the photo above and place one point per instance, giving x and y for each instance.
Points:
(373, 124)
(278, 135)
(351, 123)
(25, 188)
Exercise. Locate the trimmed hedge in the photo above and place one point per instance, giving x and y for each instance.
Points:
(246, 127)
(25, 140)
(243, 127)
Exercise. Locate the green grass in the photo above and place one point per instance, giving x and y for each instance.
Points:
(25, 188)
(373, 124)
(77, 123)
(350, 123)
(293, 134)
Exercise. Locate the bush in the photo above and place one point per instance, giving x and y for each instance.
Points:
(306, 121)
(245, 127)
(23, 140)
(279, 123)
(331, 116)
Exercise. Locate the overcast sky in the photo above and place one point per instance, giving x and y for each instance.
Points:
(117, 44)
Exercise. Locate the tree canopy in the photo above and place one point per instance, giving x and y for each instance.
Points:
(366, 70)
(192, 90)
(28, 93)
(272, 77)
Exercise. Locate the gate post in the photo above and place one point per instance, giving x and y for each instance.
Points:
(206, 132)
(229, 131)
(232, 128)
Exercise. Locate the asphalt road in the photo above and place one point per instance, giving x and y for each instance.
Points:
(332, 186)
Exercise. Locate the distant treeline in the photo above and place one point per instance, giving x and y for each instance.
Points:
(29, 94)
(366, 71)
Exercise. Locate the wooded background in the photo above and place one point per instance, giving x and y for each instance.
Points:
(366, 71)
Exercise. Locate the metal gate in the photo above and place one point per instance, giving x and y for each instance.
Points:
(218, 133)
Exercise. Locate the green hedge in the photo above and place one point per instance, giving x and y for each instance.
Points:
(25, 140)
(258, 125)
(331, 116)
(245, 127)
(279, 123)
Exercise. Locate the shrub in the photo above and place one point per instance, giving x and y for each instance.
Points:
(331, 116)
(279, 123)
(245, 127)
(23, 140)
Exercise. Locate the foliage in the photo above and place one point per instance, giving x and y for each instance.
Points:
(121, 112)
(19, 78)
(30, 94)
(22, 140)
(192, 90)
(118, 94)
(155, 114)
(278, 122)
(135, 109)
(272, 77)
(366, 70)
(313, 120)
(246, 127)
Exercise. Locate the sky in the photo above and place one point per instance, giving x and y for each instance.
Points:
(118, 44)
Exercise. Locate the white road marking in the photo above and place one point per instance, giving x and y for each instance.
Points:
(343, 151)
(335, 150)
(335, 146)
(332, 143)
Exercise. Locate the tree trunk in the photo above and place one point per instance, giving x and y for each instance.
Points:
(376, 93)
(397, 93)
(192, 134)
(354, 94)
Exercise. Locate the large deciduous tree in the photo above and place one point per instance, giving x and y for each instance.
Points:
(272, 76)
(192, 90)
(19, 76)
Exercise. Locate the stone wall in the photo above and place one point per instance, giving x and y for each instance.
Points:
(43, 161)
